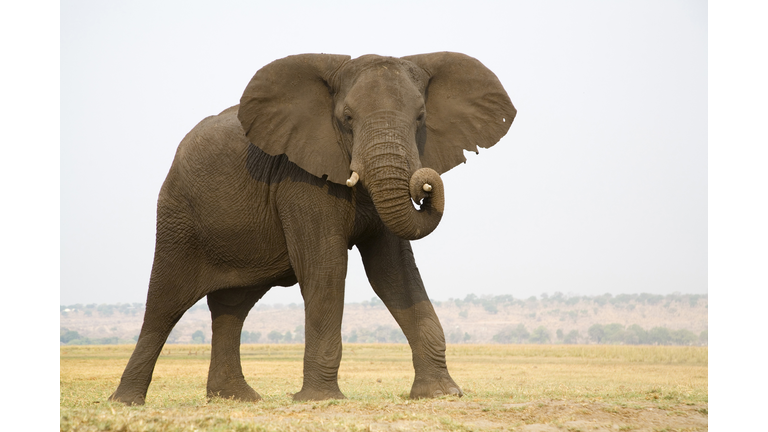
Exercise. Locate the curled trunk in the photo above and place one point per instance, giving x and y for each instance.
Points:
(394, 185)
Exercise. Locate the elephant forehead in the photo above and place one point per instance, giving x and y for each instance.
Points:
(372, 60)
(387, 67)
(384, 87)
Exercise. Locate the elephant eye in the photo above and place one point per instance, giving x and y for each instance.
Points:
(420, 118)
(347, 116)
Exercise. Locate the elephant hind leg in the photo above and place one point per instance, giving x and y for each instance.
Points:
(159, 319)
(229, 308)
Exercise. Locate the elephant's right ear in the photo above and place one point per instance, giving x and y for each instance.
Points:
(287, 108)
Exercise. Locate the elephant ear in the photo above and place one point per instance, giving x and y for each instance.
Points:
(287, 108)
(467, 107)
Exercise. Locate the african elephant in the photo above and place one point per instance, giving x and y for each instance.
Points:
(323, 153)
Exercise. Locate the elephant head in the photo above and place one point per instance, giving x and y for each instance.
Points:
(395, 124)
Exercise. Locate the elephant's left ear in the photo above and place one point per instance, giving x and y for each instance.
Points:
(467, 107)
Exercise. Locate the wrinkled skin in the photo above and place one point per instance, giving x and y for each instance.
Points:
(256, 198)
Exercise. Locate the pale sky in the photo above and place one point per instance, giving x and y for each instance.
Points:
(600, 186)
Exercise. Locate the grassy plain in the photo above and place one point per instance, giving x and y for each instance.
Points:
(507, 387)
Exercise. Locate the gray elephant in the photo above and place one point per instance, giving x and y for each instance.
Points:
(323, 153)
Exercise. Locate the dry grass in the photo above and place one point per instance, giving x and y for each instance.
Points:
(507, 387)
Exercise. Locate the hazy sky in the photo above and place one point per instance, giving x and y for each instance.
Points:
(599, 186)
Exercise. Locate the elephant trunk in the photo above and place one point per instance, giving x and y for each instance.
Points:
(389, 174)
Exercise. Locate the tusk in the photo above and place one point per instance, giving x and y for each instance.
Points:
(427, 187)
(353, 179)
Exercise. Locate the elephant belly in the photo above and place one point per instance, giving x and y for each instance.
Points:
(250, 250)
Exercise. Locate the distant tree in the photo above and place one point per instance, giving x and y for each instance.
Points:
(683, 337)
(174, 336)
(693, 300)
(275, 336)
(559, 334)
(596, 333)
(376, 302)
(455, 336)
(68, 335)
(650, 299)
(249, 337)
(198, 337)
(396, 335)
(703, 337)
(659, 336)
(613, 333)
(635, 335)
(105, 309)
(490, 306)
(512, 335)
(467, 337)
(572, 337)
(288, 337)
(353, 337)
(540, 335)
(464, 313)
(603, 299)
(298, 333)
(622, 298)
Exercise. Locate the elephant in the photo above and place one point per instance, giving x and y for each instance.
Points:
(323, 153)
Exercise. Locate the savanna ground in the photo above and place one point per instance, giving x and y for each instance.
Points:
(506, 387)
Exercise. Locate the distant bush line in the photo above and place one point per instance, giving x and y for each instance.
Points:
(609, 334)
(492, 303)
(70, 337)
(597, 333)
(489, 303)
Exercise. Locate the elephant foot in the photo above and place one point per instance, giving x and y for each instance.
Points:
(126, 398)
(238, 390)
(445, 386)
(317, 395)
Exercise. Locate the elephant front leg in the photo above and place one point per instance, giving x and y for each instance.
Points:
(321, 277)
(393, 274)
(229, 308)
